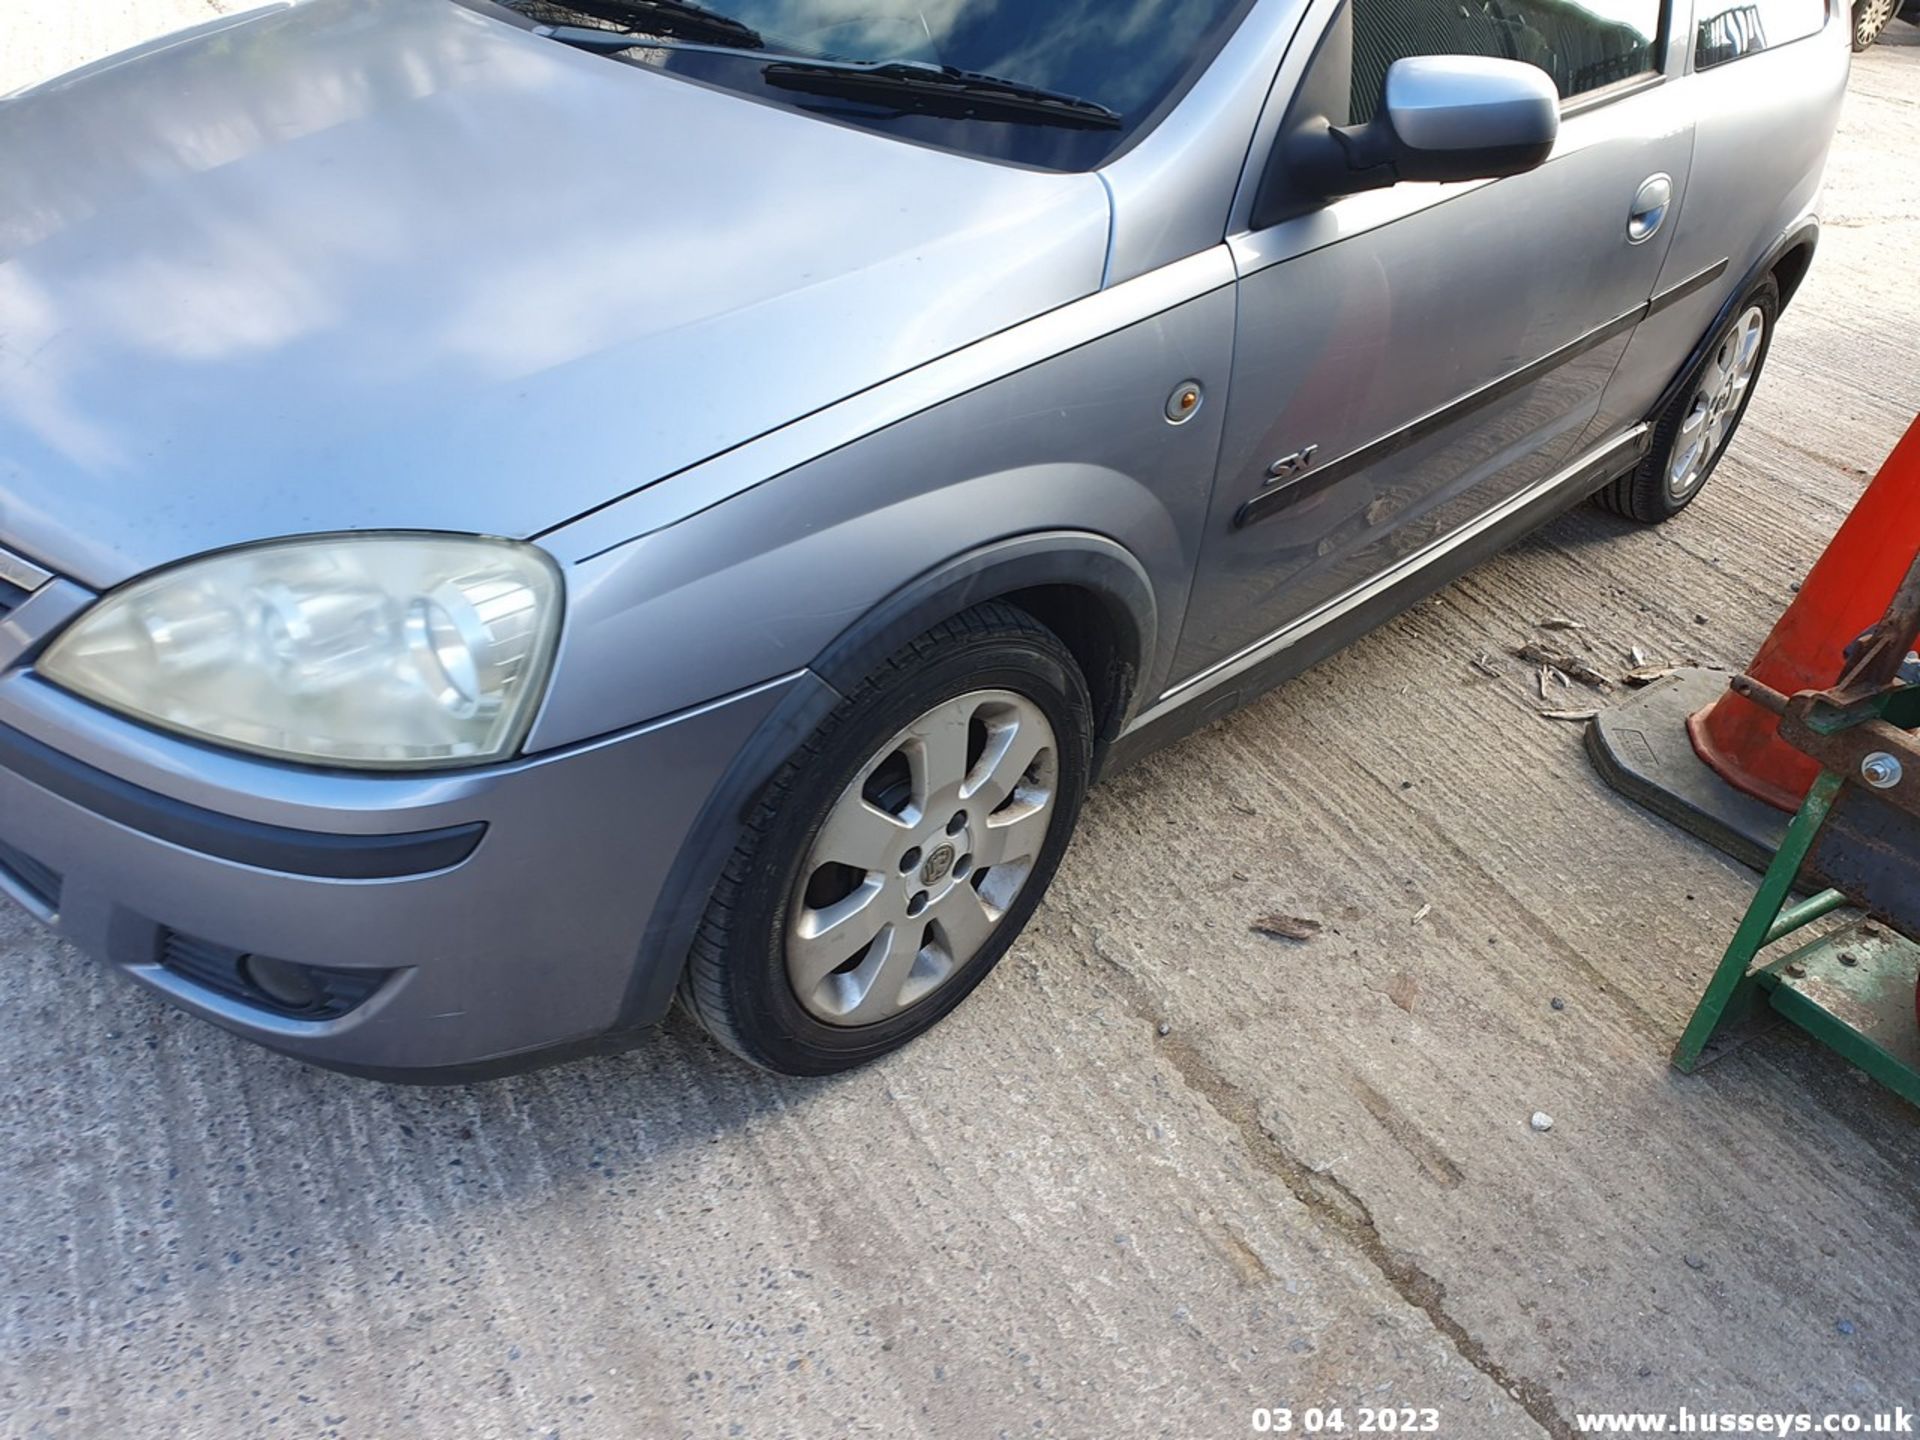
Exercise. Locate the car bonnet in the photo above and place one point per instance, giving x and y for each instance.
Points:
(398, 264)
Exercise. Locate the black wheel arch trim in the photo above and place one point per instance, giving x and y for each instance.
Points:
(1807, 234)
(1093, 563)
(227, 837)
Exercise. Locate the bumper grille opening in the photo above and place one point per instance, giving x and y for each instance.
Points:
(300, 992)
(42, 882)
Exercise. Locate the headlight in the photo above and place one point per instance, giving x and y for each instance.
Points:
(385, 651)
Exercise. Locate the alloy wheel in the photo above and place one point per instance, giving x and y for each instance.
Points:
(921, 857)
(1716, 404)
(1870, 17)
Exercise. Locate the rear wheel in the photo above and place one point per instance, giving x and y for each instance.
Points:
(894, 860)
(1692, 435)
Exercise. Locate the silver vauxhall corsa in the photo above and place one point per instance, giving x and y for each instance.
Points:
(516, 512)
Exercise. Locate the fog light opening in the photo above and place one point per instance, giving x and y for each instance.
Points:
(287, 984)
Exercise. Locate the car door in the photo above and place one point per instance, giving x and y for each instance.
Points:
(1408, 359)
(1766, 79)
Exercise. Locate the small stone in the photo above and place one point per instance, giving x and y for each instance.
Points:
(1165, 1029)
(1645, 1371)
(1541, 1121)
(1845, 1327)
(1557, 1003)
(1695, 1262)
(1699, 619)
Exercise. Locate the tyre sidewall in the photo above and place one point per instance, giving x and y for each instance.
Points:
(1767, 296)
(767, 1015)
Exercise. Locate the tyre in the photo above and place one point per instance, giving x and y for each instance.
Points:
(1692, 435)
(1870, 17)
(893, 860)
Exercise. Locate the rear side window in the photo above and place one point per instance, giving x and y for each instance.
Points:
(1733, 29)
(1582, 46)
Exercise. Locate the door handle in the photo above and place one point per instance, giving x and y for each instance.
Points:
(1650, 208)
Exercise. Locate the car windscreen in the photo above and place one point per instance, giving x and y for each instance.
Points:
(1059, 84)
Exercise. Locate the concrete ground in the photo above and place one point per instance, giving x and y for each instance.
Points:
(1318, 1188)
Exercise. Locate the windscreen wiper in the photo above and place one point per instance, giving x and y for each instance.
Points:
(675, 19)
(940, 90)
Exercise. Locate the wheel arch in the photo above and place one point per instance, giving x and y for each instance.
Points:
(1089, 590)
(1788, 258)
(1792, 266)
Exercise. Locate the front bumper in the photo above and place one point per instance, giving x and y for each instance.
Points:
(480, 921)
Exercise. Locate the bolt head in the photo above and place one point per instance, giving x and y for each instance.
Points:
(1881, 770)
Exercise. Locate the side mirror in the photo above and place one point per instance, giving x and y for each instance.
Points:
(1445, 117)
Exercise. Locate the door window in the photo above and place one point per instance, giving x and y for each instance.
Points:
(1582, 46)
(1731, 29)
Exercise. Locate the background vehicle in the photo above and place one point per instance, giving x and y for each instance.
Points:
(1870, 17)
(757, 564)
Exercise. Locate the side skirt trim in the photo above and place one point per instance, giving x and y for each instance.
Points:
(1591, 470)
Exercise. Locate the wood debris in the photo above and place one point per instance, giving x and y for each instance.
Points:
(1642, 675)
(1566, 664)
(1286, 927)
(1559, 622)
(1569, 714)
(1483, 662)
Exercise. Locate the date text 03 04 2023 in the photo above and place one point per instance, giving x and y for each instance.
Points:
(1337, 1420)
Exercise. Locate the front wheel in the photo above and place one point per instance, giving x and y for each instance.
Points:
(1692, 434)
(895, 858)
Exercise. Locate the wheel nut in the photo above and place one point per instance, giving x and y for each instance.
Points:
(910, 861)
(1881, 770)
(957, 824)
(918, 903)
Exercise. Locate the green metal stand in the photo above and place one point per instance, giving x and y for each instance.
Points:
(1852, 990)
(1859, 831)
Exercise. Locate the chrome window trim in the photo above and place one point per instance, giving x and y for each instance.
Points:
(1588, 101)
